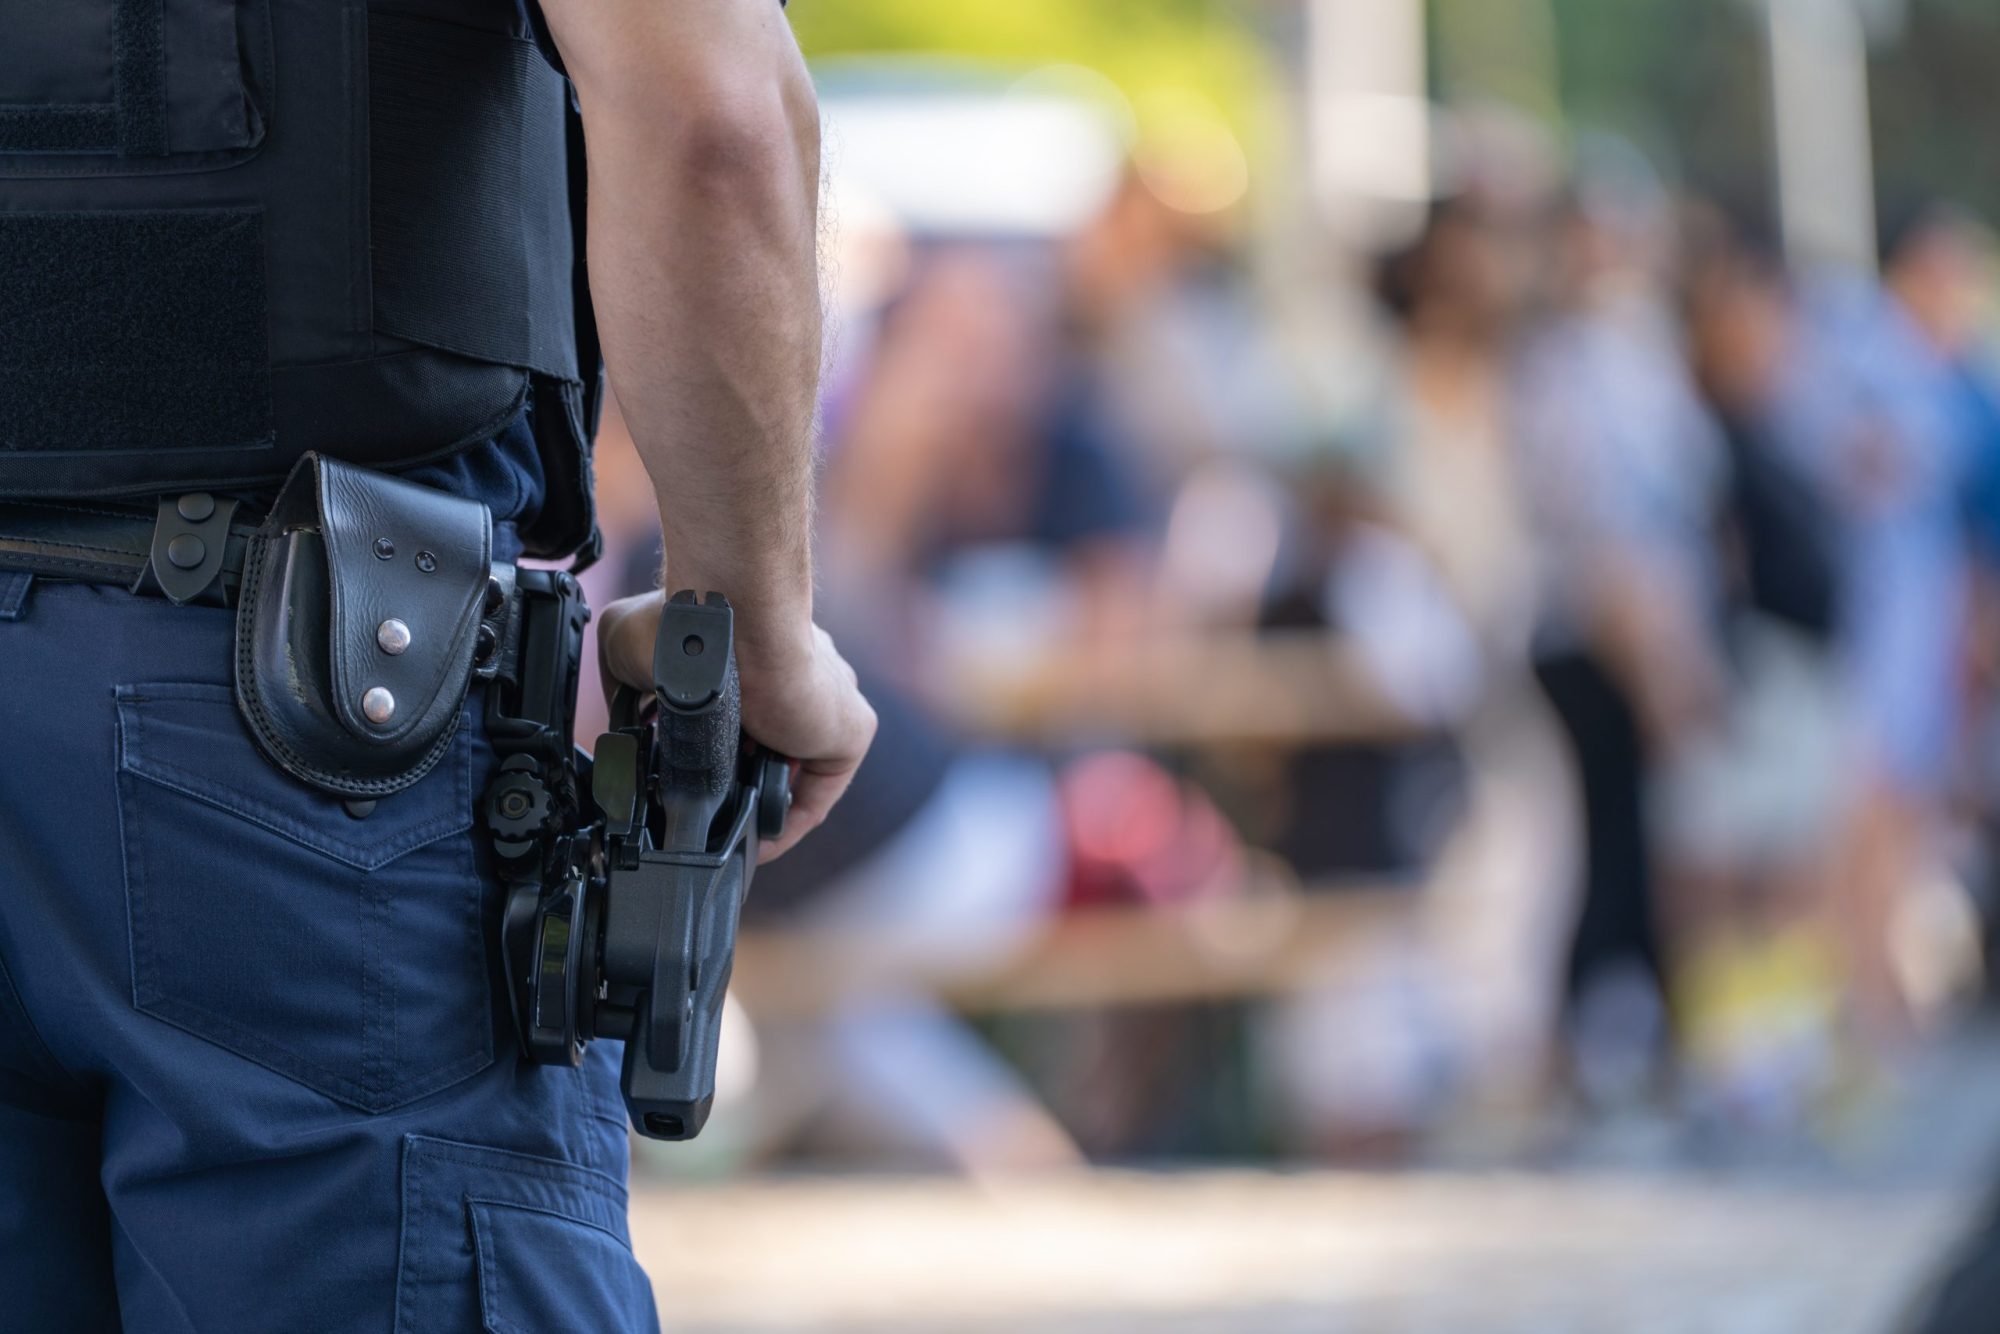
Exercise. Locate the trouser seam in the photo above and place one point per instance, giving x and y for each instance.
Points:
(40, 1052)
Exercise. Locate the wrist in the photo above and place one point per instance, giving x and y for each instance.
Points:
(774, 646)
(770, 598)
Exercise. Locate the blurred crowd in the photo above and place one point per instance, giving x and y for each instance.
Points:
(1601, 608)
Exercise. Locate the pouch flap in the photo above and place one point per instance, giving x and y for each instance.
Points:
(356, 626)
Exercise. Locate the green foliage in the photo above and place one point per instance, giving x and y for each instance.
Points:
(1935, 97)
(1689, 81)
(1144, 46)
(1686, 80)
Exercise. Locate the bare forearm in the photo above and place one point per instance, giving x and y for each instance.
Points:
(704, 177)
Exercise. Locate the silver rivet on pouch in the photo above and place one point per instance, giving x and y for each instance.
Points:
(393, 637)
(378, 706)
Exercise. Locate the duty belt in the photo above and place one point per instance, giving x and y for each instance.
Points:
(190, 549)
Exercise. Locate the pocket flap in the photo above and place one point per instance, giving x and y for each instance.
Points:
(525, 1289)
(190, 738)
(515, 1244)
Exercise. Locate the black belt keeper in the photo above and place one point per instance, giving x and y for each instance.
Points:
(190, 550)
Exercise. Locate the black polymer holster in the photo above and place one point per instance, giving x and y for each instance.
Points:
(626, 870)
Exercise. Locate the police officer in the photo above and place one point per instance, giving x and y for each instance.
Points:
(255, 1069)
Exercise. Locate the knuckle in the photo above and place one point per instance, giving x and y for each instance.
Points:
(620, 609)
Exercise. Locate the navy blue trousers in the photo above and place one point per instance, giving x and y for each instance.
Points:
(256, 1072)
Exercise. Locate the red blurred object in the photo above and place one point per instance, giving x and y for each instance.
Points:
(1137, 834)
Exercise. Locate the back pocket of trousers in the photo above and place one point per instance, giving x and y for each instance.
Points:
(344, 953)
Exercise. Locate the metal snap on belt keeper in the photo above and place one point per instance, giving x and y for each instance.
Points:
(187, 552)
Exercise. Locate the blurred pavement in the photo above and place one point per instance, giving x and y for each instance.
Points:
(1649, 1249)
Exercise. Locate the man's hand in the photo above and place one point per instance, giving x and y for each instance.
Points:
(804, 704)
(702, 131)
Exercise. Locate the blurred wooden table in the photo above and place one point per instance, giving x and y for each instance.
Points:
(1264, 945)
(1288, 688)
(1277, 691)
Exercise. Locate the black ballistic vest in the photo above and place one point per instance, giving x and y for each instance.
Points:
(232, 231)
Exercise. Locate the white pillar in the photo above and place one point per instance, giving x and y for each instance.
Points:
(1368, 108)
(1825, 150)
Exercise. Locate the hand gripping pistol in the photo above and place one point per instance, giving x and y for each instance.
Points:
(626, 870)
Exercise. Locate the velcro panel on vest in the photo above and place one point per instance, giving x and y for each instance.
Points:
(470, 224)
(133, 122)
(96, 311)
(142, 84)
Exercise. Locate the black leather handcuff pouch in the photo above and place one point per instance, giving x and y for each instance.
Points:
(356, 626)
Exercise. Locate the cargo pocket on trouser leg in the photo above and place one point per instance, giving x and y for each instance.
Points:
(514, 1244)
